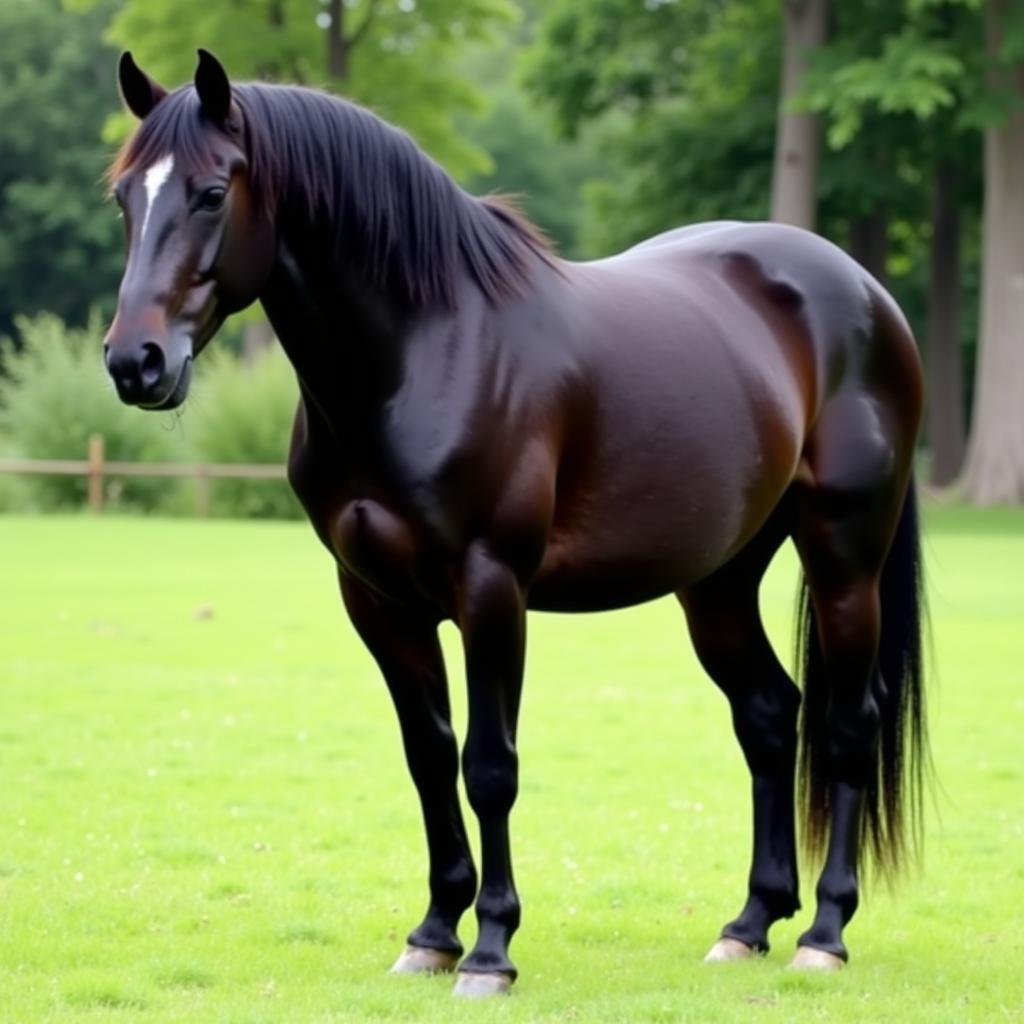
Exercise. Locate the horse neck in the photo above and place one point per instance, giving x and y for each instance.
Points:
(346, 340)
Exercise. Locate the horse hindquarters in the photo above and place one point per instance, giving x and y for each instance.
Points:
(862, 728)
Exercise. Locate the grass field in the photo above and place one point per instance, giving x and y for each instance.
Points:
(205, 815)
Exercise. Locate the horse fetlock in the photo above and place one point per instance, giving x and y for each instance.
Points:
(437, 932)
(499, 906)
(778, 894)
(454, 887)
(841, 892)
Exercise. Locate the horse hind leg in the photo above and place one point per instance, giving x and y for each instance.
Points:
(730, 641)
(846, 518)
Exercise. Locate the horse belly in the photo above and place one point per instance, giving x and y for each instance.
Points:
(685, 467)
(627, 554)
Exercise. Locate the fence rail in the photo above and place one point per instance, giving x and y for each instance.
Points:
(97, 468)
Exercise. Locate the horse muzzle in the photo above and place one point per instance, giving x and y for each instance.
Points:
(149, 374)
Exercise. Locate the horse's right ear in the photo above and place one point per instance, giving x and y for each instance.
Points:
(141, 94)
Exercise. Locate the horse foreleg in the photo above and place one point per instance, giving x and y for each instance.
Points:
(405, 646)
(492, 617)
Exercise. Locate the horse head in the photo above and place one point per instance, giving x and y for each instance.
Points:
(199, 244)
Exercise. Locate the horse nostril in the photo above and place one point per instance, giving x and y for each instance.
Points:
(106, 355)
(151, 368)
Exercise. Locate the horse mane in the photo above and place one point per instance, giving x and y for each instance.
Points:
(383, 203)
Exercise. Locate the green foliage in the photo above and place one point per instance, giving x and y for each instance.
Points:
(400, 60)
(56, 395)
(59, 243)
(544, 173)
(912, 74)
(683, 95)
(243, 412)
(15, 492)
(544, 170)
(889, 62)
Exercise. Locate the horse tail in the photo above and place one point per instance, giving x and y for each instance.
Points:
(892, 820)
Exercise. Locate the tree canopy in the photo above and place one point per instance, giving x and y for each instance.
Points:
(59, 242)
(397, 57)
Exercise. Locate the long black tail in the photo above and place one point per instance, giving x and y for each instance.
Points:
(893, 803)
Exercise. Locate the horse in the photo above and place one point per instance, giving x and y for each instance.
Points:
(485, 428)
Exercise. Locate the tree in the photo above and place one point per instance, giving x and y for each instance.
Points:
(995, 462)
(543, 173)
(896, 86)
(798, 132)
(60, 247)
(944, 362)
(542, 170)
(395, 56)
(682, 99)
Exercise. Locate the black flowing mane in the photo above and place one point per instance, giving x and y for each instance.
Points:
(380, 201)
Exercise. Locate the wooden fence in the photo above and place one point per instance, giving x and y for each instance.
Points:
(96, 468)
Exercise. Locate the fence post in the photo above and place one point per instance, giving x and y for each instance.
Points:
(95, 470)
(203, 492)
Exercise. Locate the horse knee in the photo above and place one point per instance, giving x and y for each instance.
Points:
(492, 787)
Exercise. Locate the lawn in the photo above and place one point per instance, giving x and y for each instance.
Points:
(205, 815)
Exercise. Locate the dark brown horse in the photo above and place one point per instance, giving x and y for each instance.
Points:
(485, 428)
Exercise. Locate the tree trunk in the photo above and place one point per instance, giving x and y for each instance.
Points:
(944, 355)
(995, 455)
(869, 242)
(275, 20)
(337, 45)
(798, 135)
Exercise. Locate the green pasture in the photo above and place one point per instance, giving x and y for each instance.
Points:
(205, 816)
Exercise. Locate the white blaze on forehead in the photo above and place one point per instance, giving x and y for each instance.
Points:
(155, 179)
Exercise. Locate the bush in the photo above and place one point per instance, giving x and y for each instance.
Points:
(56, 394)
(243, 412)
(15, 495)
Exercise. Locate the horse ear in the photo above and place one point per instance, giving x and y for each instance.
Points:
(141, 94)
(213, 88)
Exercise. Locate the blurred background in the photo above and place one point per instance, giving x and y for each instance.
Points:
(893, 127)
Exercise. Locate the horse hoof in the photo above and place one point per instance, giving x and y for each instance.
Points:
(808, 958)
(420, 960)
(728, 949)
(471, 985)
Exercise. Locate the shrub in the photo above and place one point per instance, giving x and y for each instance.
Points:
(15, 495)
(56, 394)
(243, 412)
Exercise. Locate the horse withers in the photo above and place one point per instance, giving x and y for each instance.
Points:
(485, 428)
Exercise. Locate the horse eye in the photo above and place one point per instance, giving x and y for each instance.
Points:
(212, 199)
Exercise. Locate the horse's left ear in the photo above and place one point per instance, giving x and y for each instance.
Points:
(213, 88)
